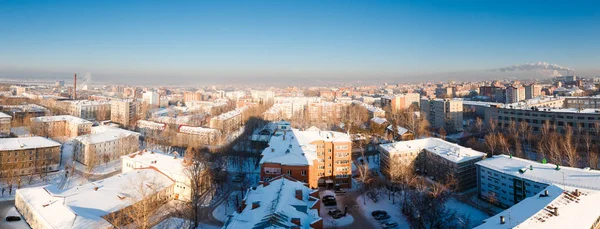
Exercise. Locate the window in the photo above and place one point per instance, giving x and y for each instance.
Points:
(303, 172)
(289, 172)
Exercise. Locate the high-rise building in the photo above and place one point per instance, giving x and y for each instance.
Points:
(123, 112)
(515, 93)
(401, 101)
(533, 90)
(443, 113)
(151, 98)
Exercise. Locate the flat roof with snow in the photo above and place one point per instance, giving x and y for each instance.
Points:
(67, 118)
(168, 164)
(26, 143)
(84, 207)
(449, 151)
(3, 115)
(543, 173)
(536, 212)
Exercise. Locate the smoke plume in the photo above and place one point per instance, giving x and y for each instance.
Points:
(88, 78)
(552, 68)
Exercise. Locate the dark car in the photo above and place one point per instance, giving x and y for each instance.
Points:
(336, 214)
(238, 178)
(380, 215)
(390, 225)
(329, 200)
(13, 218)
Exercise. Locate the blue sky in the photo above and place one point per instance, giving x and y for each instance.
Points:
(310, 39)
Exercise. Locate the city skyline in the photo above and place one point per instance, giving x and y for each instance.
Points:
(274, 42)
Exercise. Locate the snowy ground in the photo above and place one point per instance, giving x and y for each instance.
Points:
(21, 131)
(476, 216)
(330, 222)
(228, 206)
(372, 161)
(386, 205)
(102, 169)
(16, 224)
(177, 223)
(31, 181)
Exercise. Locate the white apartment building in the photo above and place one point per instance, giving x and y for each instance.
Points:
(105, 144)
(98, 110)
(170, 165)
(5, 125)
(443, 113)
(556, 207)
(508, 180)
(262, 96)
(151, 98)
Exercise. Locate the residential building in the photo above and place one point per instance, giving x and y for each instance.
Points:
(282, 202)
(401, 101)
(172, 166)
(508, 180)
(443, 113)
(515, 93)
(151, 98)
(105, 144)
(192, 96)
(123, 112)
(434, 157)
(229, 121)
(556, 207)
(533, 90)
(28, 155)
(319, 158)
(373, 110)
(5, 125)
(101, 204)
(22, 114)
(97, 110)
(60, 127)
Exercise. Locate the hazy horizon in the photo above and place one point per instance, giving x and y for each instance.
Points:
(272, 42)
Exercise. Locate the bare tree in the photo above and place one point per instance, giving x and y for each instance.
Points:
(199, 178)
(491, 142)
(570, 146)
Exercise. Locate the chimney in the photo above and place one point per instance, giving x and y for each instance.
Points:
(577, 193)
(555, 211)
(296, 221)
(75, 87)
(502, 220)
(299, 194)
(255, 204)
(546, 192)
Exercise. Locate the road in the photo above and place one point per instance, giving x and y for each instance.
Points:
(5, 206)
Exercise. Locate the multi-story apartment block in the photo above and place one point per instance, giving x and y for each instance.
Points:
(151, 98)
(28, 155)
(192, 96)
(60, 127)
(556, 207)
(172, 166)
(22, 114)
(507, 180)
(98, 110)
(282, 201)
(229, 121)
(401, 101)
(515, 93)
(102, 204)
(123, 112)
(443, 113)
(373, 110)
(533, 90)
(105, 144)
(5, 125)
(319, 158)
(435, 157)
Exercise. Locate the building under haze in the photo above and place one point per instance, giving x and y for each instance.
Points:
(443, 113)
(123, 112)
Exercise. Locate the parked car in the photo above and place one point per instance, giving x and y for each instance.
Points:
(339, 190)
(238, 178)
(13, 218)
(390, 225)
(380, 215)
(329, 200)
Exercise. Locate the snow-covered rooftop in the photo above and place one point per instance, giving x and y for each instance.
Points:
(294, 147)
(3, 115)
(104, 134)
(150, 124)
(379, 120)
(83, 206)
(278, 205)
(536, 212)
(447, 150)
(57, 118)
(543, 173)
(26, 143)
(197, 130)
(400, 130)
(168, 164)
(232, 113)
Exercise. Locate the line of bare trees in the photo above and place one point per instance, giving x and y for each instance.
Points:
(568, 145)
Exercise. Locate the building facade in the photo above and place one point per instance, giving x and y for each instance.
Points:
(30, 155)
(5, 124)
(60, 127)
(443, 113)
(123, 112)
(105, 146)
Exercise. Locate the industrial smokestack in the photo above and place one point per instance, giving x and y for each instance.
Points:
(75, 87)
